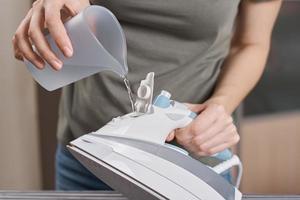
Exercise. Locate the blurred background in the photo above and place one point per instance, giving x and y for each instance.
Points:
(270, 129)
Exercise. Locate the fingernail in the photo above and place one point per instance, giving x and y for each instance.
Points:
(57, 64)
(68, 51)
(40, 65)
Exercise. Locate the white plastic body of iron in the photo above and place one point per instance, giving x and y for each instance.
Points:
(156, 175)
(145, 94)
(141, 127)
(98, 44)
(130, 154)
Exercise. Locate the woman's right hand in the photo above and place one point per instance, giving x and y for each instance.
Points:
(48, 14)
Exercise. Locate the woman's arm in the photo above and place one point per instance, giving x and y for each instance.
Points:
(248, 54)
(213, 130)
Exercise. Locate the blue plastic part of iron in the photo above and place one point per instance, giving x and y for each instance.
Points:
(193, 115)
(224, 155)
(162, 101)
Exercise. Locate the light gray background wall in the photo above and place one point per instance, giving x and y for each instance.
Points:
(20, 165)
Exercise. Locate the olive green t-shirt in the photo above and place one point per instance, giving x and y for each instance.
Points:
(183, 41)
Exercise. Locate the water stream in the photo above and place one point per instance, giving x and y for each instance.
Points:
(129, 91)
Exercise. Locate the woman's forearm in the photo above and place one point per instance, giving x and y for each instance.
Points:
(248, 54)
(213, 129)
(240, 72)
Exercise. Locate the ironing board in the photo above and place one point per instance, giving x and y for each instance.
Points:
(104, 195)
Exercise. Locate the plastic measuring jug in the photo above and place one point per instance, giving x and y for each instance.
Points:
(98, 43)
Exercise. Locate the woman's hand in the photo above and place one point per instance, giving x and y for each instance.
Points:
(46, 14)
(212, 131)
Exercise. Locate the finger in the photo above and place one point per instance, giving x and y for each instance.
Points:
(222, 122)
(171, 136)
(223, 146)
(17, 51)
(183, 134)
(197, 108)
(27, 52)
(227, 135)
(23, 46)
(207, 135)
(185, 138)
(40, 42)
(57, 30)
(218, 149)
(207, 117)
(74, 7)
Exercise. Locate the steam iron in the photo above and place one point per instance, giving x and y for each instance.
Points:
(131, 156)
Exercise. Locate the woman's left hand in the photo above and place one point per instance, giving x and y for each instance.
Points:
(211, 131)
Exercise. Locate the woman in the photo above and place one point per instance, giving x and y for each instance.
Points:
(208, 53)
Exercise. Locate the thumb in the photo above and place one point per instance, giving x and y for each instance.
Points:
(74, 7)
(197, 108)
(171, 136)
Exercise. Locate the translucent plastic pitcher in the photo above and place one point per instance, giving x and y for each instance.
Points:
(99, 44)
